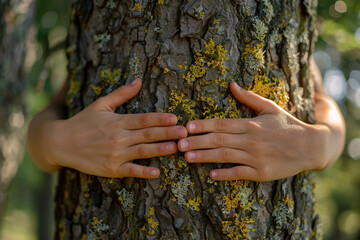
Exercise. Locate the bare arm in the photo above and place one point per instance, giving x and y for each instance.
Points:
(328, 115)
(40, 129)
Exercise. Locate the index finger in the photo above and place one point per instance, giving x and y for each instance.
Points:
(218, 125)
(146, 120)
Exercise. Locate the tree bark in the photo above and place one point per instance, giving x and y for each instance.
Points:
(15, 20)
(187, 52)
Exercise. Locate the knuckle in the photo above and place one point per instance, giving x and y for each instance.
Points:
(169, 133)
(132, 171)
(111, 169)
(219, 139)
(238, 173)
(148, 136)
(99, 102)
(221, 124)
(112, 155)
(142, 151)
(227, 155)
(253, 126)
(256, 144)
(264, 172)
(115, 140)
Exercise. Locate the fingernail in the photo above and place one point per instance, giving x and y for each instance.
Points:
(133, 83)
(191, 156)
(214, 174)
(154, 172)
(192, 127)
(184, 144)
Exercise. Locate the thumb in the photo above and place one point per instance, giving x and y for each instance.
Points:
(257, 103)
(120, 95)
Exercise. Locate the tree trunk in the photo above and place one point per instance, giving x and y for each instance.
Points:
(15, 20)
(187, 52)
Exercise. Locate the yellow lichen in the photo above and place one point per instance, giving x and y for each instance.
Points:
(237, 229)
(181, 106)
(194, 203)
(97, 90)
(160, 1)
(213, 56)
(62, 231)
(182, 67)
(166, 180)
(110, 77)
(234, 112)
(256, 51)
(274, 90)
(95, 221)
(289, 202)
(74, 88)
(137, 8)
(254, 56)
(211, 110)
(166, 70)
(152, 224)
(201, 14)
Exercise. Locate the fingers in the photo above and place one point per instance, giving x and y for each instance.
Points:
(129, 169)
(157, 134)
(218, 155)
(120, 95)
(257, 103)
(143, 151)
(235, 173)
(218, 125)
(145, 120)
(211, 140)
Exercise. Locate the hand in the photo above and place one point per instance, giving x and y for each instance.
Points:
(100, 142)
(271, 146)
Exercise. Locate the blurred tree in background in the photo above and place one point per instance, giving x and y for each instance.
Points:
(15, 19)
(29, 214)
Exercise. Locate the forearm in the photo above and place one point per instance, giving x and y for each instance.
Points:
(40, 132)
(330, 119)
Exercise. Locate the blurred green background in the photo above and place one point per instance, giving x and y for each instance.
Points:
(29, 210)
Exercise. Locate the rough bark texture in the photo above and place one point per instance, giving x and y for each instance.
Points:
(15, 19)
(187, 52)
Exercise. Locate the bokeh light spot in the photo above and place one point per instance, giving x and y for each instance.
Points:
(340, 7)
(335, 84)
(354, 149)
(49, 19)
(349, 222)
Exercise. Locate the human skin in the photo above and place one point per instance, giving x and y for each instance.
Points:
(271, 146)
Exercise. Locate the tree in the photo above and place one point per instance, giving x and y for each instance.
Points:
(15, 19)
(187, 52)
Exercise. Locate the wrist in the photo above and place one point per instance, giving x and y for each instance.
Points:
(51, 144)
(320, 143)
